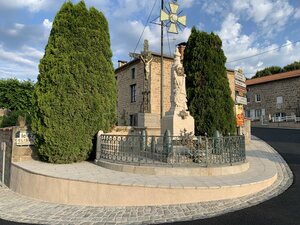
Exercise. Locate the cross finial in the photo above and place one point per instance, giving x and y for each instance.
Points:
(146, 45)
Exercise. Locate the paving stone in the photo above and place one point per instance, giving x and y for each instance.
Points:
(18, 208)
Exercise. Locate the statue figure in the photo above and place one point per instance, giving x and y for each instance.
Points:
(179, 90)
(146, 57)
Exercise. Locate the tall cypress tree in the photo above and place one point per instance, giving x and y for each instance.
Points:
(76, 90)
(208, 91)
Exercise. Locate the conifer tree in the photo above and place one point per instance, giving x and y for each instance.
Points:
(76, 90)
(209, 95)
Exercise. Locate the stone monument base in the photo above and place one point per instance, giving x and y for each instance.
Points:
(176, 123)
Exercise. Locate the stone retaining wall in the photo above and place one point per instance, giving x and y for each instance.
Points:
(6, 136)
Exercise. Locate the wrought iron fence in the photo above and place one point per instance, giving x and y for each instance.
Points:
(172, 150)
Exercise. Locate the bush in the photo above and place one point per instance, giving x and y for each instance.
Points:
(11, 119)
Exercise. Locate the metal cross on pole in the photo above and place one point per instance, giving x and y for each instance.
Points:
(173, 20)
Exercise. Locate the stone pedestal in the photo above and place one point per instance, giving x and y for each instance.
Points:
(177, 123)
(150, 122)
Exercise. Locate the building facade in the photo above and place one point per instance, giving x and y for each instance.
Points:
(275, 97)
(134, 99)
(139, 88)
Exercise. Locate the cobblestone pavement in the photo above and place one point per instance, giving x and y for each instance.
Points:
(18, 208)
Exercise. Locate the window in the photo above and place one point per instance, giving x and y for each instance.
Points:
(257, 98)
(279, 100)
(248, 98)
(133, 120)
(257, 113)
(247, 113)
(133, 73)
(133, 93)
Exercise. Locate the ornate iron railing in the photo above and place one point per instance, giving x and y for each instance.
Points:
(171, 150)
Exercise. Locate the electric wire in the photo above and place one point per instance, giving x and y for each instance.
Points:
(264, 52)
(145, 26)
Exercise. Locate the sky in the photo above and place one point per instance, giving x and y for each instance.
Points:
(255, 33)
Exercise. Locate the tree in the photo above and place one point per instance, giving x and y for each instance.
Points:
(209, 95)
(76, 90)
(268, 71)
(293, 66)
(17, 97)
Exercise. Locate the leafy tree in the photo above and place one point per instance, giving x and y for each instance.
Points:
(11, 119)
(16, 95)
(268, 71)
(293, 66)
(76, 90)
(208, 91)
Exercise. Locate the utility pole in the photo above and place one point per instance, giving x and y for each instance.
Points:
(162, 65)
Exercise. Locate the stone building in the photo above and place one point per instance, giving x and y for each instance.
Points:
(138, 83)
(274, 97)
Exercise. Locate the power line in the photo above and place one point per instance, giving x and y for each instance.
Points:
(145, 26)
(285, 45)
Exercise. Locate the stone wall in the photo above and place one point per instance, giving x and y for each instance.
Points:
(13, 152)
(155, 89)
(292, 125)
(287, 88)
(124, 80)
(3, 112)
(6, 136)
(246, 130)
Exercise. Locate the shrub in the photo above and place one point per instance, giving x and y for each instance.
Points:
(209, 95)
(76, 90)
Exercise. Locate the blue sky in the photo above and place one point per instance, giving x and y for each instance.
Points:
(246, 27)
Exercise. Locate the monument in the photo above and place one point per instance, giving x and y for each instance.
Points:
(178, 119)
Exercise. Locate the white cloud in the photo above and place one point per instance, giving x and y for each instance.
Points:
(30, 52)
(270, 15)
(15, 57)
(186, 3)
(17, 28)
(237, 46)
(214, 6)
(297, 13)
(32, 5)
(131, 31)
(47, 24)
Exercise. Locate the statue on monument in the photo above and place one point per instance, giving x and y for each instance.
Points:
(179, 91)
(178, 119)
(146, 57)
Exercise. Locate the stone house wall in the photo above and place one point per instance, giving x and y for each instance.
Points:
(125, 80)
(287, 88)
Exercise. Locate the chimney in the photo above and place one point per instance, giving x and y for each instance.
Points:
(121, 63)
(181, 47)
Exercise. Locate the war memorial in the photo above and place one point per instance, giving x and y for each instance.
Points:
(142, 174)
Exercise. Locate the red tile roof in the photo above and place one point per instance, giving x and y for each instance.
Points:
(275, 77)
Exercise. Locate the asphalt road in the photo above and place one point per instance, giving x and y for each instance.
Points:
(282, 210)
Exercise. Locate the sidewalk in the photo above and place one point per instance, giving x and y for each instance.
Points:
(23, 209)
